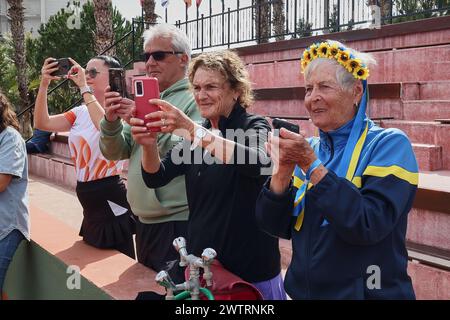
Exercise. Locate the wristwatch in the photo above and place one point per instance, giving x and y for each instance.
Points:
(199, 134)
(86, 89)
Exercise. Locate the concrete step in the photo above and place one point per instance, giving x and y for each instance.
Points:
(60, 149)
(425, 132)
(435, 90)
(402, 65)
(59, 170)
(429, 220)
(378, 108)
(430, 90)
(417, 131)
(426, 110)
(429, 156)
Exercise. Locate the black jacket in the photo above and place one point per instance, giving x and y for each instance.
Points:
(221, 199)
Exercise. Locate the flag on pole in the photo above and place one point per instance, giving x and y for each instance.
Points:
(164, 3)
(188, 3)
(198, 3)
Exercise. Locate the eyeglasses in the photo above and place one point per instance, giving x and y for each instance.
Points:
(158, 55)
(92, 72)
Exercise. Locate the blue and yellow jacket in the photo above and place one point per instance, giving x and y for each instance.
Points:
(352, 241)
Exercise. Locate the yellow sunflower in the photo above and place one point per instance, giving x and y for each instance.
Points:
(323, 50)
(334, 50)
(304, 64)
(361, 73)
(353, 64)
(343, 57)
(313, 51)
(306, 56)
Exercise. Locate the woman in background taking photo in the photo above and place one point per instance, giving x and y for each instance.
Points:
(108, 221)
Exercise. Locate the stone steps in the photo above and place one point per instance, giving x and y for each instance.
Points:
(429, 156)
(429, 90)
(426, 110)
(426, 133)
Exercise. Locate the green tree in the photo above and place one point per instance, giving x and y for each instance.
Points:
(57, 40)
(262, 21)
(415, 9)
(334, 20)
(16, 13)
(149, 11)
(278, 19)
(303, 29)
(8, 73)
(104, 35)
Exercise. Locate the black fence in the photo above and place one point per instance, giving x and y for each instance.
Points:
(225, 27)
(215, 25)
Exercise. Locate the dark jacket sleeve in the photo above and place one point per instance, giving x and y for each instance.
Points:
(367, 215)
(274, 211)
(250, 156)
(168, 169)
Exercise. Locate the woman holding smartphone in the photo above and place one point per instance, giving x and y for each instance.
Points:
(222, 161)
(108, 221)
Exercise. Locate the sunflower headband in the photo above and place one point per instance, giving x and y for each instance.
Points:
(341, 54)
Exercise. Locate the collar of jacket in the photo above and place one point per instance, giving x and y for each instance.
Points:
(180, 85)
(230, 122)
(338, 137)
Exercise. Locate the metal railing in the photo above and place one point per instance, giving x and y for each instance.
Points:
(245, 25)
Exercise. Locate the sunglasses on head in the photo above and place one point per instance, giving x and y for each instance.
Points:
(92, 72)
(158, 55)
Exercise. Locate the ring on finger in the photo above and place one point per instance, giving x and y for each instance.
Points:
(163, 122)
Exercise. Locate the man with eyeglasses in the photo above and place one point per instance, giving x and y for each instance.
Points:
(162, 212)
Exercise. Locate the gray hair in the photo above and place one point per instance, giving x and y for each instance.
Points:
(344, 78)
(178, 38)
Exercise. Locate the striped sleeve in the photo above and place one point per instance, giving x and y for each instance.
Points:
(70, 116)
(394, 156)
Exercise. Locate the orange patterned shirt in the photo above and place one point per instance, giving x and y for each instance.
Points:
(84, 138)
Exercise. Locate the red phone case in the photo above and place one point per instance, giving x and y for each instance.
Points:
(146, 88)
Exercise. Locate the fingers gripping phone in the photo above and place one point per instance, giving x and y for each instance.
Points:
(278, 124)
(64, 66)
(146, 88)
(117, 81)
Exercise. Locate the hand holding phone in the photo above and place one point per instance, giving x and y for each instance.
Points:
(146, 88)
(278, 124)
(64, 66)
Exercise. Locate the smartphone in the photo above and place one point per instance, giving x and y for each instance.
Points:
(117, 81)
(278, 124)
(64, 66)
(146, 88)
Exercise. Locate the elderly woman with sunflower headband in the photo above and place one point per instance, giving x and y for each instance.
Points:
(342, 198)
